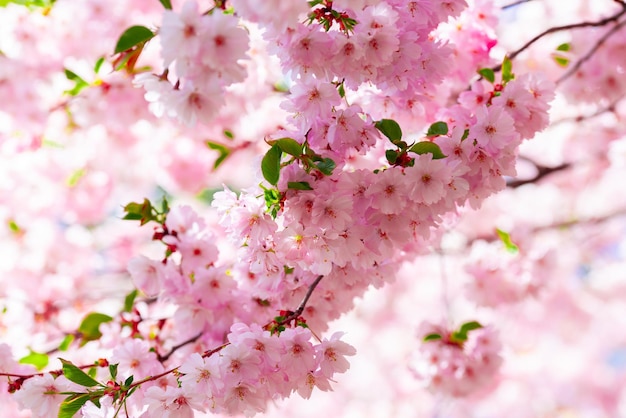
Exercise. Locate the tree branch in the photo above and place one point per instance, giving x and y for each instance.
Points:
(591, 52)
(515, 3)
(164, 357)
(580, 118)
(542, 171)
(602, 22)
(295, 314)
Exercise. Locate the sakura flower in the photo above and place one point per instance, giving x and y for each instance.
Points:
(456, 367)
(180, 33)
(314, 380)
(136, 359)
(431, 178)
(299, 357)
(494, 129)
(157, 91)
(269, 347)
(184, 220)
(240, 364)
(244, 399)
(201, 374)
(147, 274)
(170, 402)
(193, 104)
(41, 394)
(389, 193)
(312, 99)
(224, 43)
(334, 352)
(381, 41)
(197, 253)
(334, 212)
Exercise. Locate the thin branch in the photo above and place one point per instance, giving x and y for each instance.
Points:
(580, 118)
(602, 22)
(515, 3)
(588, 221)
(554, 226)
(178, 346)
(591, 52)
(542, 171)
(295, 314)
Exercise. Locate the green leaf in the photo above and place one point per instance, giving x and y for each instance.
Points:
(223, 150)
(14, 227)
(341, 90)
(460, 336)
(67, 341)
(167, 4)
(229, 134)
(133, 36)
(139, 211)
(427, 147)
(289, 146)
(72, 404)
(272, 201)
(129, 300)
(75, 177)
(392, 156)
(72, 76)
(39, 360)
(299, 185)
(561, 61)
(79, 85)
(487, 74)
(326, 166)
(270, 165)
(564, 47)
(165, 204)
(437, 128)
(98, 65)
(132, 217)
(90, 326)
(113, 371)
(390, 129)
(281, 87)
(432, 337)
(28, 3)
(507, 70)
(76, 375)
(129, 381)
(465, 135)
(506, 240)
(470, 326)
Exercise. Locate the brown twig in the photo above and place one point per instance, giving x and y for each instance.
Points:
(580, 118)
(165, 357)
(591, 52)
(515, 3)
(599, 23)
(295, 314)
(542, 171)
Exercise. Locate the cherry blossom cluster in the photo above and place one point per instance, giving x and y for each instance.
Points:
(457, 363)
(204, 50)
(254, 368)
(499, 276)
(349, 225)
(599, 79)
(343, 197)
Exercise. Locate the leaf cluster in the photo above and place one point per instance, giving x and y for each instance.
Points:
(399, 156)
